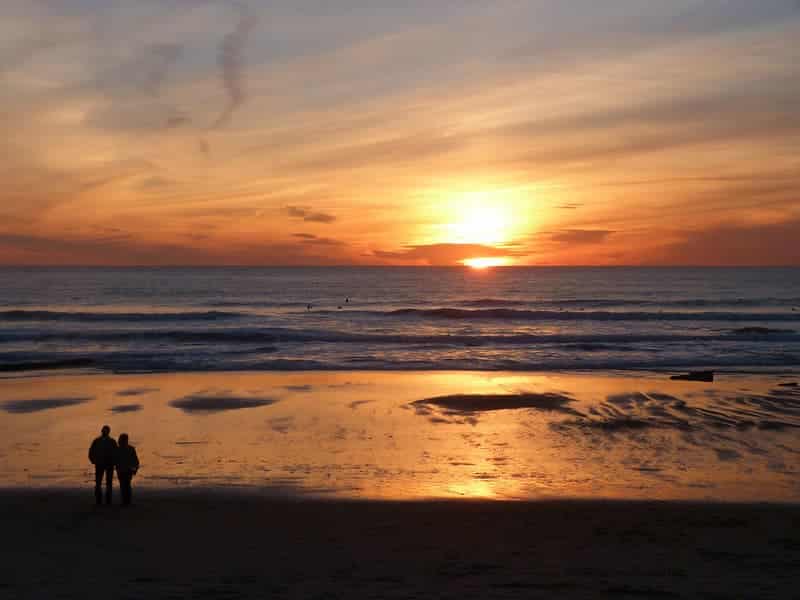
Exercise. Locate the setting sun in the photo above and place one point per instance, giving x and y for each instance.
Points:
(486, 262)
(480, 220)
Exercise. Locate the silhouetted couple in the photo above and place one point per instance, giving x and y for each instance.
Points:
(106, 454)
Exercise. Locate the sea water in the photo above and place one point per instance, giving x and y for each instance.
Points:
(509, 319)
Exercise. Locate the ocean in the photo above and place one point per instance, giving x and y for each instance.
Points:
(407, 383)
(155, 320)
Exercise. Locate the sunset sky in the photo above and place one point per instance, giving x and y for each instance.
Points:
(194, 132)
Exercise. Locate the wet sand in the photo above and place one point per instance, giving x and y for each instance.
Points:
(416, 435)
(204, 544)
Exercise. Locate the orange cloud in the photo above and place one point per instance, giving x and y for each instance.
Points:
(442, 254)
(374, 124)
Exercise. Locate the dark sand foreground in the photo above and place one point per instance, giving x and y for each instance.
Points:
(227, 545)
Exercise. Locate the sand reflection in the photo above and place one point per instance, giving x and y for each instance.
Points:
(417, 435)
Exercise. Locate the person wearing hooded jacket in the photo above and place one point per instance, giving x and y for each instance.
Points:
(127, 463)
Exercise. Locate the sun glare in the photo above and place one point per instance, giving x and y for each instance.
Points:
(479, 228)
(480, 220)
(486, 262)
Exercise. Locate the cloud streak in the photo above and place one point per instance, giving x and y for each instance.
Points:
(310, 238)
(443, 254)
(155, 66)
(231, 63)
(580, 236)
(309, 215)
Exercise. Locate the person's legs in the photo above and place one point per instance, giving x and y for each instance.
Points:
(125, 486)
(99, 471)
(109, 481)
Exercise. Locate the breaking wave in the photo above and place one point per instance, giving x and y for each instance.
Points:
(277, 335)
(113, 317)
(564, 315)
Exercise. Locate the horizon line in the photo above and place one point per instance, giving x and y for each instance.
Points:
(356, 266)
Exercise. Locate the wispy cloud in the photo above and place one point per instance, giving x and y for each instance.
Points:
(442, 254)
(231, 63)
(310, 238)
(154, 66)
(580, 236)
(309, 215)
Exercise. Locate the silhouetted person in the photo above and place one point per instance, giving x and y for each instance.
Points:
(127, 465)
(101, 454)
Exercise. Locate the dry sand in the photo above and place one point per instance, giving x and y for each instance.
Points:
(203, 544)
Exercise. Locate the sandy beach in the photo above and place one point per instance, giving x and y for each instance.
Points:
(204, 544)
(405, 485)
(416, 435)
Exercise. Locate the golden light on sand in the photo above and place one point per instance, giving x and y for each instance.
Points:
(487, 261)
(475, 489)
